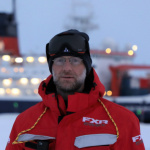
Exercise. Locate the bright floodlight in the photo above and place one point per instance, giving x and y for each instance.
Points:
(24, 81)
(15, 91)
(134, 47)
(42, 59)
(130, 52)
(108, 50)
(19, 60)
(109, 93)
(2, 91)
(30, 59)
(6, 58)
(35, 81)
(7, 82)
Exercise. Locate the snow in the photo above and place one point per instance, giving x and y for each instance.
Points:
(145, 132)
(7, 120)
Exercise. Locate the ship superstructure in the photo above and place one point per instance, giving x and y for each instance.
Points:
(8, 33)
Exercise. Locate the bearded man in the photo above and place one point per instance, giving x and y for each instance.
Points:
(73, 114)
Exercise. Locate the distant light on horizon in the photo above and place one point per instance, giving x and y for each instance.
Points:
(15, 91)
(134, 47)
(2, 91)
(130, 52)
(24, 81)
(42, 59)
(6, 58)
(109, 93)
(30, 59)
(7, 82)
(108, 50)
(35, 81)
(19, 60)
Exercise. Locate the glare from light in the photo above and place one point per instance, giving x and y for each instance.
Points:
(134, 47)
(3, 69)
(42, 59)
(35, 81)
(24, 81)
(2, 91)
(36, 91)
(19, 60)
(108, 50)
(16, 69)
(7, 82)
(15, 91)
(130, 52)
(109, 93)
(6, 58)
(30, 59)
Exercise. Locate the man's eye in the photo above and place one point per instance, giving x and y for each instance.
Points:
(60, 60)
(75, 60)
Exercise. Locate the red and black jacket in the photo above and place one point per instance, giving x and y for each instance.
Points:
(89, 122)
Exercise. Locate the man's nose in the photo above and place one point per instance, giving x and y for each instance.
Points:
(67, 65)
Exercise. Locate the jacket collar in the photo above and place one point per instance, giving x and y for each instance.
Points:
(77, 101)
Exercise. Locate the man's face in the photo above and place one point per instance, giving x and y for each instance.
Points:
(69, 78)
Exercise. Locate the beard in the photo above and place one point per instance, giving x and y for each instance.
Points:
(67, 86)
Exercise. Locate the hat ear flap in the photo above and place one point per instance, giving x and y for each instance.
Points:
(47, 49)
(48, 57)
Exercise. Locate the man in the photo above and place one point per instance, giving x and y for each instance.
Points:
(73, 114)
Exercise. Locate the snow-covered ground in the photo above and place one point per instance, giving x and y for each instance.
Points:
(7, 120)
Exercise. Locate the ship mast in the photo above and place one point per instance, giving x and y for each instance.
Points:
(81, 16)
(14, 11)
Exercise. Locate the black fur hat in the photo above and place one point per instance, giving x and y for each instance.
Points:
(66, 50)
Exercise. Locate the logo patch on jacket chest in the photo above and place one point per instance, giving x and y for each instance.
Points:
(94, 122)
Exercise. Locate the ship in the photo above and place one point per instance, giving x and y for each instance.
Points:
(20, 75)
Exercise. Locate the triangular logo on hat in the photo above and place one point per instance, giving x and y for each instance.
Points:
(66, 50)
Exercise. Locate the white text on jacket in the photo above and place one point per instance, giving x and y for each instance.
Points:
(95, 121)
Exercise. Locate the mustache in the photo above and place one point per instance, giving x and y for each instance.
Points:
(68, 73)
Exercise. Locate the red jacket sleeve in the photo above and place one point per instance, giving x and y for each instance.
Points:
(131, 138)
